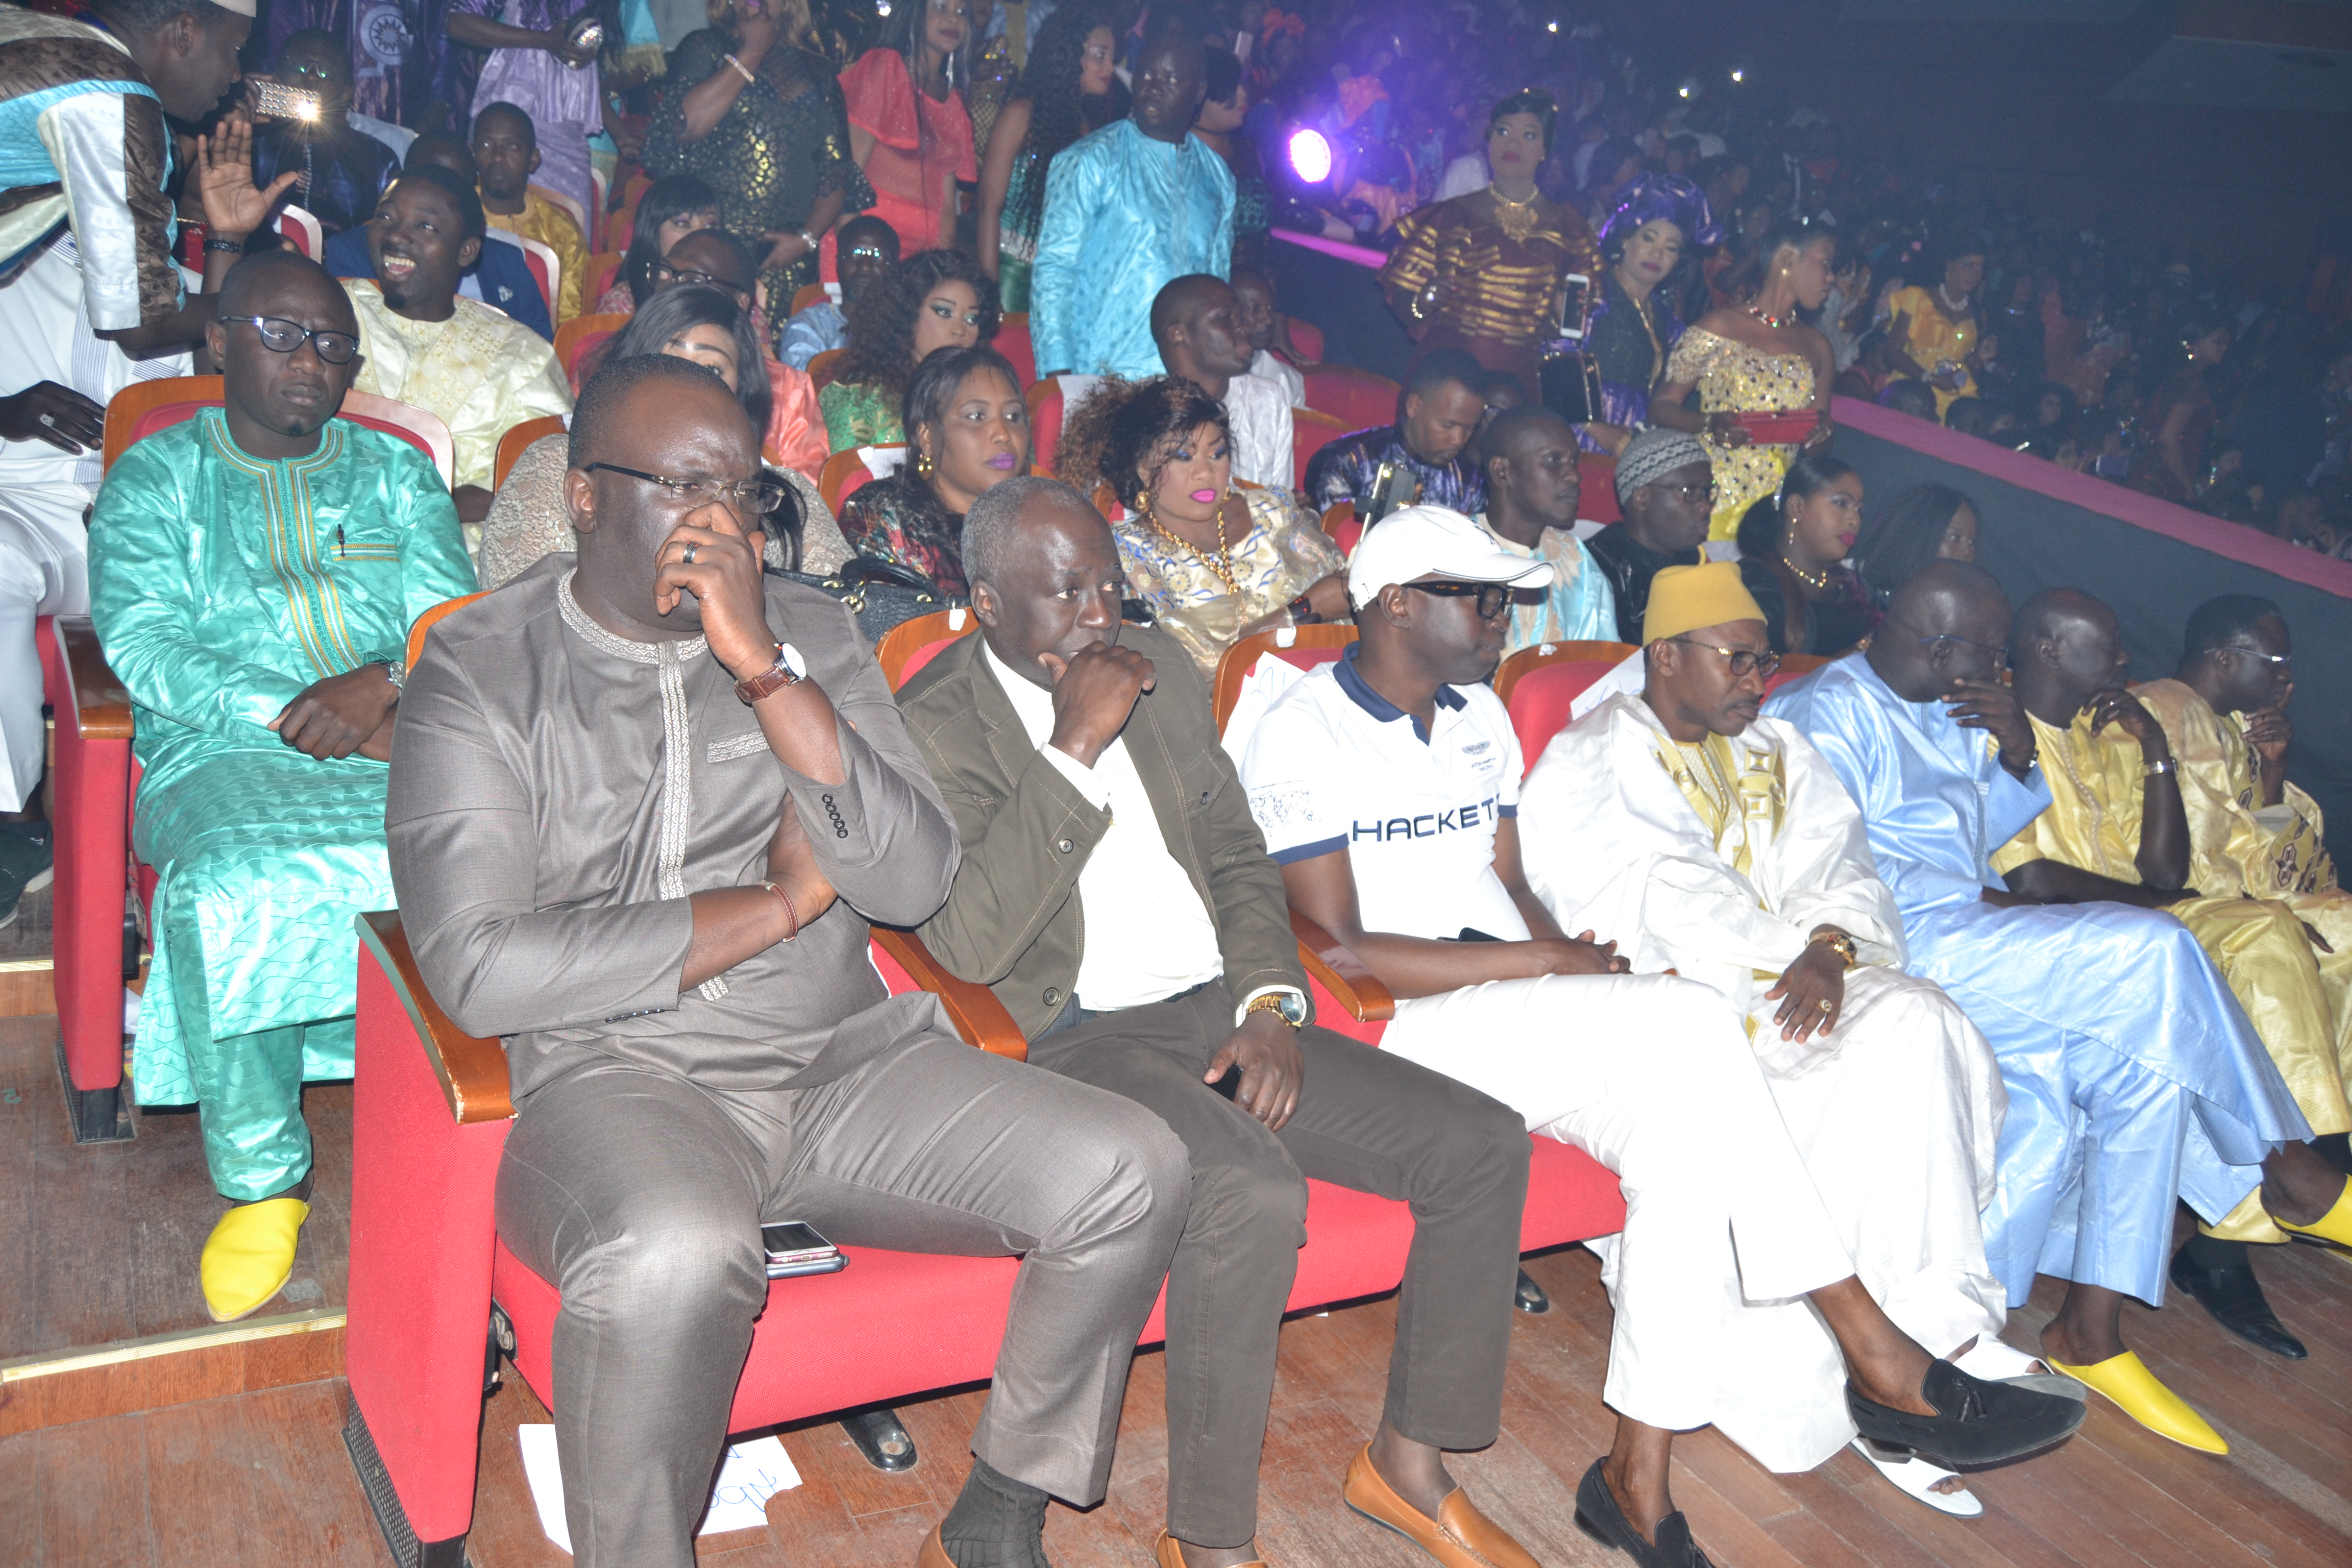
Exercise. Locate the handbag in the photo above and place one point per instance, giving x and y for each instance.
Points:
(881, 594)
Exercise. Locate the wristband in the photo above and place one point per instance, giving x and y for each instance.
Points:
(791, 913)
(2161, 765)
(740, 69)
(1302, 612)
(224, 246)
(808, 239)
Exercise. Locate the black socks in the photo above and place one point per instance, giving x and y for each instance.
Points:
(997, 1523)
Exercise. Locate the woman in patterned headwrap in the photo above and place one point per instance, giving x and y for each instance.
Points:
(1651, 236)
(1482, 272)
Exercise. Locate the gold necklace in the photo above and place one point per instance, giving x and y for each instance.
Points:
(1815, 580)
(1222, 563)
(1517, 218)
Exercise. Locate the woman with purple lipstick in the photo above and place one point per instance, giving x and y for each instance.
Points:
(967, 430)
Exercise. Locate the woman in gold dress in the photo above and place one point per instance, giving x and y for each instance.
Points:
(1937, 333)
(1213, 562)
(1754, 359)
(1482, 272)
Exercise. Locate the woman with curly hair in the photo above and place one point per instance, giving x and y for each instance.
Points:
(934, 299)
(968, 431)
(1064, 95)
(1214, 564)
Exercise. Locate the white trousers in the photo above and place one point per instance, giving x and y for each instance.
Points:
(1742, 1193)
(43, 571)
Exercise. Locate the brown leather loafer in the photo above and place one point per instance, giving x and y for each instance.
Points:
(1459, 1537)
(933, 1556)
(1166, 1552)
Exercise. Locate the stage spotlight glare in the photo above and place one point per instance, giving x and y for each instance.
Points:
(1739, 76)
(1551, 26)
(1683, 90)
(1310, 156)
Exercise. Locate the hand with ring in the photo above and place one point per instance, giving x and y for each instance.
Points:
(687, 559)
(1810, 991)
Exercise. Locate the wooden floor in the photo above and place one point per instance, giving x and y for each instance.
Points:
(100, 1243)
(261, 1479)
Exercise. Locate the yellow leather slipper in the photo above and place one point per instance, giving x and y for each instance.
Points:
(2334, 1227)
(2127, 1380)
(249, 1255)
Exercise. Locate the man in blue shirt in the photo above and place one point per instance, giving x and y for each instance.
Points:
(2132, 1075)
(500, 277)
(1128, 209)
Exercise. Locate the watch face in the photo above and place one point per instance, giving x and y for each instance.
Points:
(1294, 1008)
(792, 660)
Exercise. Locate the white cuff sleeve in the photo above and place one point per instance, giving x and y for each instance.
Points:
(1086, 781)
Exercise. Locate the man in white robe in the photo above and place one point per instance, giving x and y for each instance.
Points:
(1720, 845)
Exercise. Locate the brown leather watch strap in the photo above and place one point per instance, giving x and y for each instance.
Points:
(778, 675)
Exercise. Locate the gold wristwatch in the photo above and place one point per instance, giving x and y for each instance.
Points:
(1840, 943)
(1283, 1005)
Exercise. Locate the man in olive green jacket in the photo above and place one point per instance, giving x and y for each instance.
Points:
(1116, 893)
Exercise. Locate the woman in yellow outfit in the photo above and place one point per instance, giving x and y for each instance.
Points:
(1936, 329)
(1755, 358)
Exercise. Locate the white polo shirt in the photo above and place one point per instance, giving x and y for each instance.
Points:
(1334, 765)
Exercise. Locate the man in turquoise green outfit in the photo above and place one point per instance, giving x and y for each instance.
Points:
(253, 576)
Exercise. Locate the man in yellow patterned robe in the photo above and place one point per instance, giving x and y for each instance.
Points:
(2116, 831)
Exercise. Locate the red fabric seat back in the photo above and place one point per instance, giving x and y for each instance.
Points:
(1540, 701)
(1357, 397)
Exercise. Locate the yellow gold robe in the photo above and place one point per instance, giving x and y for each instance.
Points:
(2093, 823)
(551, 225)
(481, 371)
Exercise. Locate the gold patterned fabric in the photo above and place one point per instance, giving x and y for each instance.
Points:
(481, 371)
(2232, 849)
(551, 225)
(1933, 337)
(1284, 553)
(1732, 377)
(1503, 288)
(2093, 823)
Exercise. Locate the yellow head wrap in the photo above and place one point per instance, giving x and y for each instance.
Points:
(1684, 598)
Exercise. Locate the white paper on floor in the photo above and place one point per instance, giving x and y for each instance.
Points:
(754, 1472)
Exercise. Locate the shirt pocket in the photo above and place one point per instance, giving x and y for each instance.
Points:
(734, 748)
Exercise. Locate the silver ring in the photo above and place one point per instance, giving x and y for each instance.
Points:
(50, 420)
(688, 560)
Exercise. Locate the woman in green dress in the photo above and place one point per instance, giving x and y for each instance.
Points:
(1064, 94)
(757, 116)
(933, 300)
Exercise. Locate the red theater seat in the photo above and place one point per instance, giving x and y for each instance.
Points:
(1538, 684)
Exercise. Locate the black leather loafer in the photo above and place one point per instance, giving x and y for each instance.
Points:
(2235, 1298)
(1599, 1517)
(1529, 1296)
(1976, 1422)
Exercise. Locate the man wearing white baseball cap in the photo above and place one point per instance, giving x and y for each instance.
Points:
(1387, 787)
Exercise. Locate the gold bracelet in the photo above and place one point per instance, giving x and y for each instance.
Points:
(1837, 941)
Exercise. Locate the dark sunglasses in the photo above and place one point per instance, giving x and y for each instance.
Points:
(1493, 598)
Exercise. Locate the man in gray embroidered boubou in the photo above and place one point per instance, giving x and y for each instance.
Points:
(594, 860)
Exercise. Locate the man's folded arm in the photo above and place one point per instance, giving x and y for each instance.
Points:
(1015, 872)
(882, 836)
(463, 847)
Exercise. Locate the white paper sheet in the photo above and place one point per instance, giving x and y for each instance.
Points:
(753, 1472)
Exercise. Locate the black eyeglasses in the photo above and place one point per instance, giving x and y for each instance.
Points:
(1744, 661)
(664, 273)
(2000, 653)
(282, 336)
(757, 497)
(1493, 598)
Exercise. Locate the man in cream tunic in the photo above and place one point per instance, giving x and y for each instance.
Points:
(1736, 857)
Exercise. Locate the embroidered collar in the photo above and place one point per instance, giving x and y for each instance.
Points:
(597, 638)
(1361, 693)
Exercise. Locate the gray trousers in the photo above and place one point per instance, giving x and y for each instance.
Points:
(642, 1195)
(1365, 1119)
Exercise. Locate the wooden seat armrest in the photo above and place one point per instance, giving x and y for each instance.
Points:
(975, 1010)
(1342, 974)
(473, 1072)
(102, 707)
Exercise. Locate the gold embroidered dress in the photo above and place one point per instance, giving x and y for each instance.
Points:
(481, 371)
(2258, 943)
(222, 586)
(1732, 377)
(1284, 552)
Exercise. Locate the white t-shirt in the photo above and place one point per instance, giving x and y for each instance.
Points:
(1284, 374)
(1336, 766)
(1147, 935)
(1259, 411)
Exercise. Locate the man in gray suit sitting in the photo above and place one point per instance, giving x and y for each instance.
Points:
(1116, 893)
(642, 803)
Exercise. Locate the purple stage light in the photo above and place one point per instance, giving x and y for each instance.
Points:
(1310, 156)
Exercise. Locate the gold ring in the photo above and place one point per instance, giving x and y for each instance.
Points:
(1827, 1005)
